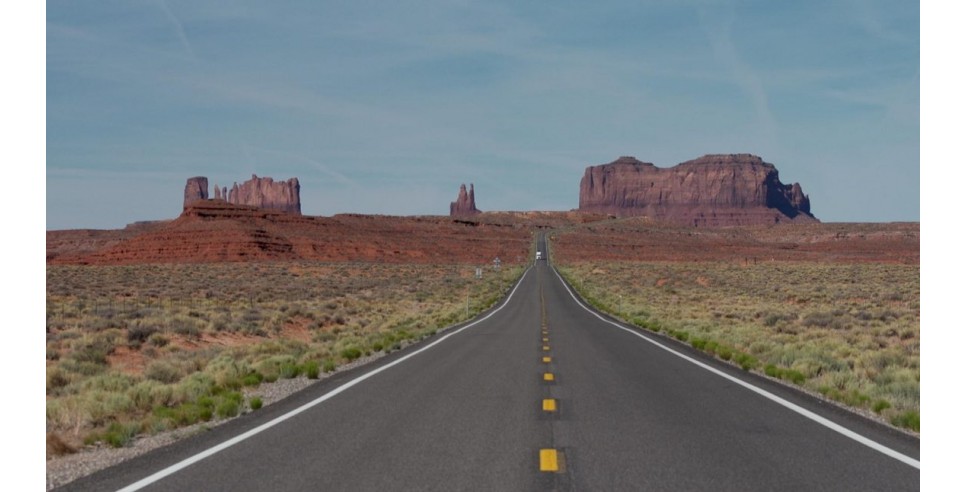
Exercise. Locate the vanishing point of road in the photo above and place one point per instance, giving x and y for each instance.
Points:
(538, 394)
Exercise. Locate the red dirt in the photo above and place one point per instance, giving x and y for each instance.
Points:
(639, 239)
(214, 231)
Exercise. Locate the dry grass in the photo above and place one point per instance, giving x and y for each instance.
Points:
(141, 349)
(849, 332)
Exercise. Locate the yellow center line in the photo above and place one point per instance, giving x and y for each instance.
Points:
(548, 376)
(545, 339)
(549, 405)
(546, 348)
(546, 360)
(548, 460)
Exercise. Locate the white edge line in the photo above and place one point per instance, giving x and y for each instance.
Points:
(144, 482)
(771, 396)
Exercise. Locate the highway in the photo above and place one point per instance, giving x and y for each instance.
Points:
(542, 394)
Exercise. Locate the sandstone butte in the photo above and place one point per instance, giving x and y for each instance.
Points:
(465, 203)
(257, 192)
(195, 189)
(714, 190)
(261, 220)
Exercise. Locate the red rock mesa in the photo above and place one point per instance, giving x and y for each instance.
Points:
(714, 190)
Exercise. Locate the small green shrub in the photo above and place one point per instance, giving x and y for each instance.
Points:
(747, 362)
(228, 372)
(142, 394)
(289, 370)
(711, 348)
(311, 369)
(880, 405)
(255, 402)
(117, 435)
(273, 367)
(162, 394)
(252, 379)
(192, 413)
(352, 353)
(94, 351)
(228, 407)
(909, 420)
(194, 388)
(793, 376)
(158, 340)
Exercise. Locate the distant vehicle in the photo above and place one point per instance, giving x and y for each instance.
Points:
(539, 255)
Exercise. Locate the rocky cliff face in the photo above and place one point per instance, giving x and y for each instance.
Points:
(465, 203)
(734, 189)
(195, 189)
(267, 193)
(256, 192)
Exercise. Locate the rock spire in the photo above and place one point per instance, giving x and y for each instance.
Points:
(465, 203)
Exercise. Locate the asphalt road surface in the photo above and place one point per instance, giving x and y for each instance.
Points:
(540, 395)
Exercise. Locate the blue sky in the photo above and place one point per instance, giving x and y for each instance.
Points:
(386, 107)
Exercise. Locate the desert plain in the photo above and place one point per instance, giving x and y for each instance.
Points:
(181, 323)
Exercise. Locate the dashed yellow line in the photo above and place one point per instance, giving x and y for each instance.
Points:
(546, 348)
(546, 360)
(548, 376)
(548, 460)
(549, 405)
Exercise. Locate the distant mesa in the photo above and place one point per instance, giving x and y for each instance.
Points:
(257, 192)
(714, 190)
(465, 203)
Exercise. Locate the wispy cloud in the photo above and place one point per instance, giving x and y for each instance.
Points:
(718, 25)
(178, 29)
